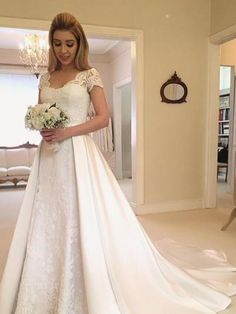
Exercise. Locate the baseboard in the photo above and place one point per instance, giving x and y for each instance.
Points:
(169, 206)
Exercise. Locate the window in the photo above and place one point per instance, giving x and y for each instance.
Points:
(17, 92)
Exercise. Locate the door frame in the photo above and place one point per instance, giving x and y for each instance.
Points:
(117, 122)
(210, 186)
(137, 66)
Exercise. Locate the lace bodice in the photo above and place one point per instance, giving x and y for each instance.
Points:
(74, 96)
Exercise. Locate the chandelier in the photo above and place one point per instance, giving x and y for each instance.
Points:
(34, 53)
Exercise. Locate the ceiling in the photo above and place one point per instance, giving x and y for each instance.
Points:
(11, 38)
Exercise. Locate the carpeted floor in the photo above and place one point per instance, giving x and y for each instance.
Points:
(199, 228)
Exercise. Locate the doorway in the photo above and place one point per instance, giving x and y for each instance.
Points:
(212, 114)
(136, 39)
(225, 149)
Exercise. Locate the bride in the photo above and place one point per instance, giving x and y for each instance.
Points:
(77, 246)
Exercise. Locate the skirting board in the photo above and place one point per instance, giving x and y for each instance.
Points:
(169, 206)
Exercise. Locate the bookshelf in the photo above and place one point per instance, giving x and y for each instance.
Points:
(224, 121)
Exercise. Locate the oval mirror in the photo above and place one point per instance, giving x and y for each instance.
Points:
(174, 90)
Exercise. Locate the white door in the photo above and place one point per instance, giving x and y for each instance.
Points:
(126, 131)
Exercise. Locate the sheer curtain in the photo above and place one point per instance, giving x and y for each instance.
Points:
(18, 91)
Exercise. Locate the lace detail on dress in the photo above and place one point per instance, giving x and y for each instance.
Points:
(87, 78)
(93, 78)
(52, 279)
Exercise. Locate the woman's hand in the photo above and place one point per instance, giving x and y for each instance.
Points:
(54, 135)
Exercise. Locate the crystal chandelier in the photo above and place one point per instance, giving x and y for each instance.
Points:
(34, 53)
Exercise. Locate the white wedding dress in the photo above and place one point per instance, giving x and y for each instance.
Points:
(78, 247)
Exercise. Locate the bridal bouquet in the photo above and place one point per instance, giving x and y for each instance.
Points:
(46, 116)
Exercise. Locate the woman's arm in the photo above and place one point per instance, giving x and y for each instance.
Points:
(39, 100)
(100, 120)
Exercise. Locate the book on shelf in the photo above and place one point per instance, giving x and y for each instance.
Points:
(224, 100)
(220, 128)
(221, 114)
(224, 114)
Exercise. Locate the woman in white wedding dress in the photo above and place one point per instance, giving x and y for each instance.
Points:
(78, 247)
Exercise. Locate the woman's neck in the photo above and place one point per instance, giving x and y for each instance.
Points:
(67, 68)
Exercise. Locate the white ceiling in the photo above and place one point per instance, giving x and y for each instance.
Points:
(11, 38)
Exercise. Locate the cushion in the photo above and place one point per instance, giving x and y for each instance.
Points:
(3, 172)
(2, 158)
(18, 171)
(17, 157)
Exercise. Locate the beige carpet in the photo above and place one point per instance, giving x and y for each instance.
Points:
(199, 228)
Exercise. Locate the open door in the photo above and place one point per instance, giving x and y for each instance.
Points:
(226, 138)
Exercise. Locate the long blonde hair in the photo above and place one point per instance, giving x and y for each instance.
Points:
(66, 21)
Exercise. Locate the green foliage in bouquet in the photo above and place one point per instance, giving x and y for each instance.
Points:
(45, 116)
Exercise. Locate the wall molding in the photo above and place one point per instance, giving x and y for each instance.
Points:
(169, 206)
(211, 136)
(224, 35)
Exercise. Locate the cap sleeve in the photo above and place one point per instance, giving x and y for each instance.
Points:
(93, 79)
(44, 80)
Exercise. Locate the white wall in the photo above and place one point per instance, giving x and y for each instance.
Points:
(228, 53)
(223, 14)
(176, 35)
(113, 67)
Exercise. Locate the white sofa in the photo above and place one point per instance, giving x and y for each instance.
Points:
(16, 162)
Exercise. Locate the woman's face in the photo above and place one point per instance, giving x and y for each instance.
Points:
(65, 47)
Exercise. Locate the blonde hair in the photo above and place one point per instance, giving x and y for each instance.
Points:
(66, 21)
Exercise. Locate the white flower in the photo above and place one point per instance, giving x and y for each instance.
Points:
(55, 112)
(37, 123)
(45, 116)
